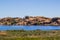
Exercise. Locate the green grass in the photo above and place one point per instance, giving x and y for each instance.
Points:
(30, 35)
(26, 38)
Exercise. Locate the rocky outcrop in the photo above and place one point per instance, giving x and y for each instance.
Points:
(30, 20)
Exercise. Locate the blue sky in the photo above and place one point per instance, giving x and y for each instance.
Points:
(20, 8)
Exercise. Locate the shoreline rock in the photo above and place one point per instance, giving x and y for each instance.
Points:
(30, 20)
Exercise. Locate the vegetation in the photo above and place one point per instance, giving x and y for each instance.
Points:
(30, 35)
(38, 38)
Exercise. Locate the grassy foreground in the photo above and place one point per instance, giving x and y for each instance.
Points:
(30, 35)
(41, 38)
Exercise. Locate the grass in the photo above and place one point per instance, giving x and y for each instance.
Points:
(30, 35)
(38, 38)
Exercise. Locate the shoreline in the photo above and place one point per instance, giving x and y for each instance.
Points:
(30, 20)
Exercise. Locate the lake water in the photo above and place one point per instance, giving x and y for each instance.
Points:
(29, 27)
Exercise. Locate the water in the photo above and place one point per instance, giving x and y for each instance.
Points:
(29, 27)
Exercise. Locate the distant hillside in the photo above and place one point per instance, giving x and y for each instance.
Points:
(30, 20)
